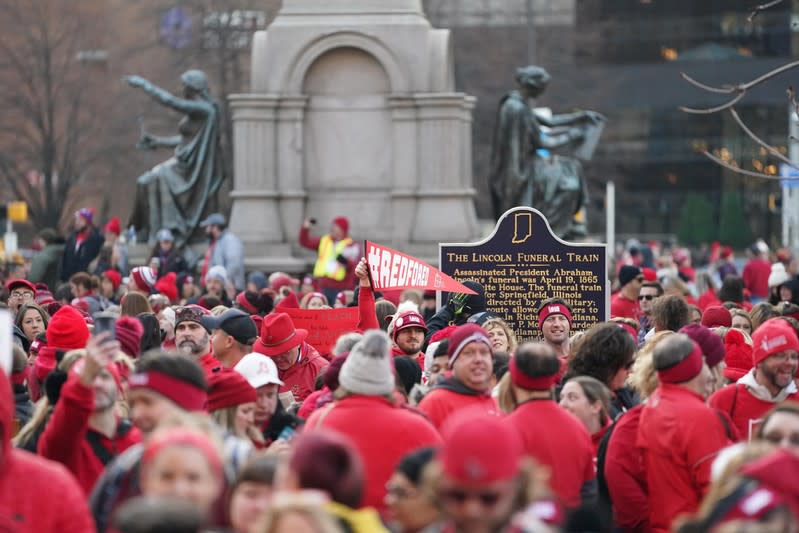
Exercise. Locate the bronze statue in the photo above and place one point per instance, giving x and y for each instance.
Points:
(529, 161)
(175, 194)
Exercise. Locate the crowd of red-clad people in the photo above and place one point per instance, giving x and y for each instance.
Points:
(133, 405)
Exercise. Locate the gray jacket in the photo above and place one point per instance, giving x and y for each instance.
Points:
(229, 253)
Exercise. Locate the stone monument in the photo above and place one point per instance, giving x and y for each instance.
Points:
(352, 111)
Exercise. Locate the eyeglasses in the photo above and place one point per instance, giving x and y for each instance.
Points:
(486, 499)
(646, 297)
(22, 295)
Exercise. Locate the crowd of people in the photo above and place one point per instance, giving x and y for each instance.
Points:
(150, 402)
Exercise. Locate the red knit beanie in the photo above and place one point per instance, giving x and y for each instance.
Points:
(167, 286)
(114, 277)
(479, 448)
(343, 223)
(715, 316)
(66, 331)
(129, 332)
(773, 336)
(738, 355)
(228, 388)
(144, 277)
(464, 335)
(711, 344)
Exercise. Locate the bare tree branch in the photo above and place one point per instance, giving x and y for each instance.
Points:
(740, 170)
(772, 150)
(763, 7)
(716, 109)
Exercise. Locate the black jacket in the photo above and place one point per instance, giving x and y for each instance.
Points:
(78, 260)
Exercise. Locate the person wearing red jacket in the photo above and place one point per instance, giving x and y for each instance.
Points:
(470, 360)
(550, 434)
(775, 356)
(679, 435)
(84, 433)
(298, 363)
(192, 338)
(756, 272)
(367, 384)
(26, 480)
(337, 256)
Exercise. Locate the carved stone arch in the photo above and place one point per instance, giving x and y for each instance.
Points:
(398, 78)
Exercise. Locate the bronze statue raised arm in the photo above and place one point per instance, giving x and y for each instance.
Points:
(175, 194)
(523, 169)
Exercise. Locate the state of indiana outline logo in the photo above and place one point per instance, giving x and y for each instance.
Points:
(522, 227)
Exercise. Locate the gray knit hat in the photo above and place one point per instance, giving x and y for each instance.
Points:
(367, 369)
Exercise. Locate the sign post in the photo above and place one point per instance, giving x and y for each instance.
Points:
(523, 263)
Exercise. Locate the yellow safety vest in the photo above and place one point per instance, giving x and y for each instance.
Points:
(326, 265)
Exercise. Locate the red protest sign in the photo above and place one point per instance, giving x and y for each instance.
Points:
(390, 269)
(324, 326)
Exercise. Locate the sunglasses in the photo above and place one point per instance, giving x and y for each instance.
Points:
(646, 297)
(486, 499)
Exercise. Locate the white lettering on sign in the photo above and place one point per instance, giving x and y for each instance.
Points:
(390, 270)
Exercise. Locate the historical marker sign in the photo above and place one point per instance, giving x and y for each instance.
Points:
(522, 263)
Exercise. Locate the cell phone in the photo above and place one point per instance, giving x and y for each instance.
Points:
(287, 434)
(312, 221)
(105, 322)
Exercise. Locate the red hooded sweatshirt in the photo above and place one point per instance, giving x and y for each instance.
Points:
(391, 433)
(68, 439)
(36, 495)
(557, 439)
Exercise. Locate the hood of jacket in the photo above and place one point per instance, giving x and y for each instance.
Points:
(453, 385)
(761, 392)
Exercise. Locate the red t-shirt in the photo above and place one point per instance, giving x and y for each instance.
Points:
(625, 475)
(556, 438)
(621, 306)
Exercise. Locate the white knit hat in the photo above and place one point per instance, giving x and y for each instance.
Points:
(367, 369)
(217, 272)
(778, 275)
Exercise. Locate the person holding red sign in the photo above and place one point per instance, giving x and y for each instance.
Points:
(470, 360)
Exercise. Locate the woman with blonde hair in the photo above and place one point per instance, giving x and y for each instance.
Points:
(231, 404)
(314, 300)
(302, 512)
(741, 320)
(502, 337)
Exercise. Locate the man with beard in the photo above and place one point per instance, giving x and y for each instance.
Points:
(84, 432)
(408, 336)
(775, 355)
(470, 359)
(555, 322)
(298, 363)
(193, 339)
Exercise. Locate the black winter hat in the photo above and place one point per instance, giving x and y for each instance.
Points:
(627, 274)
